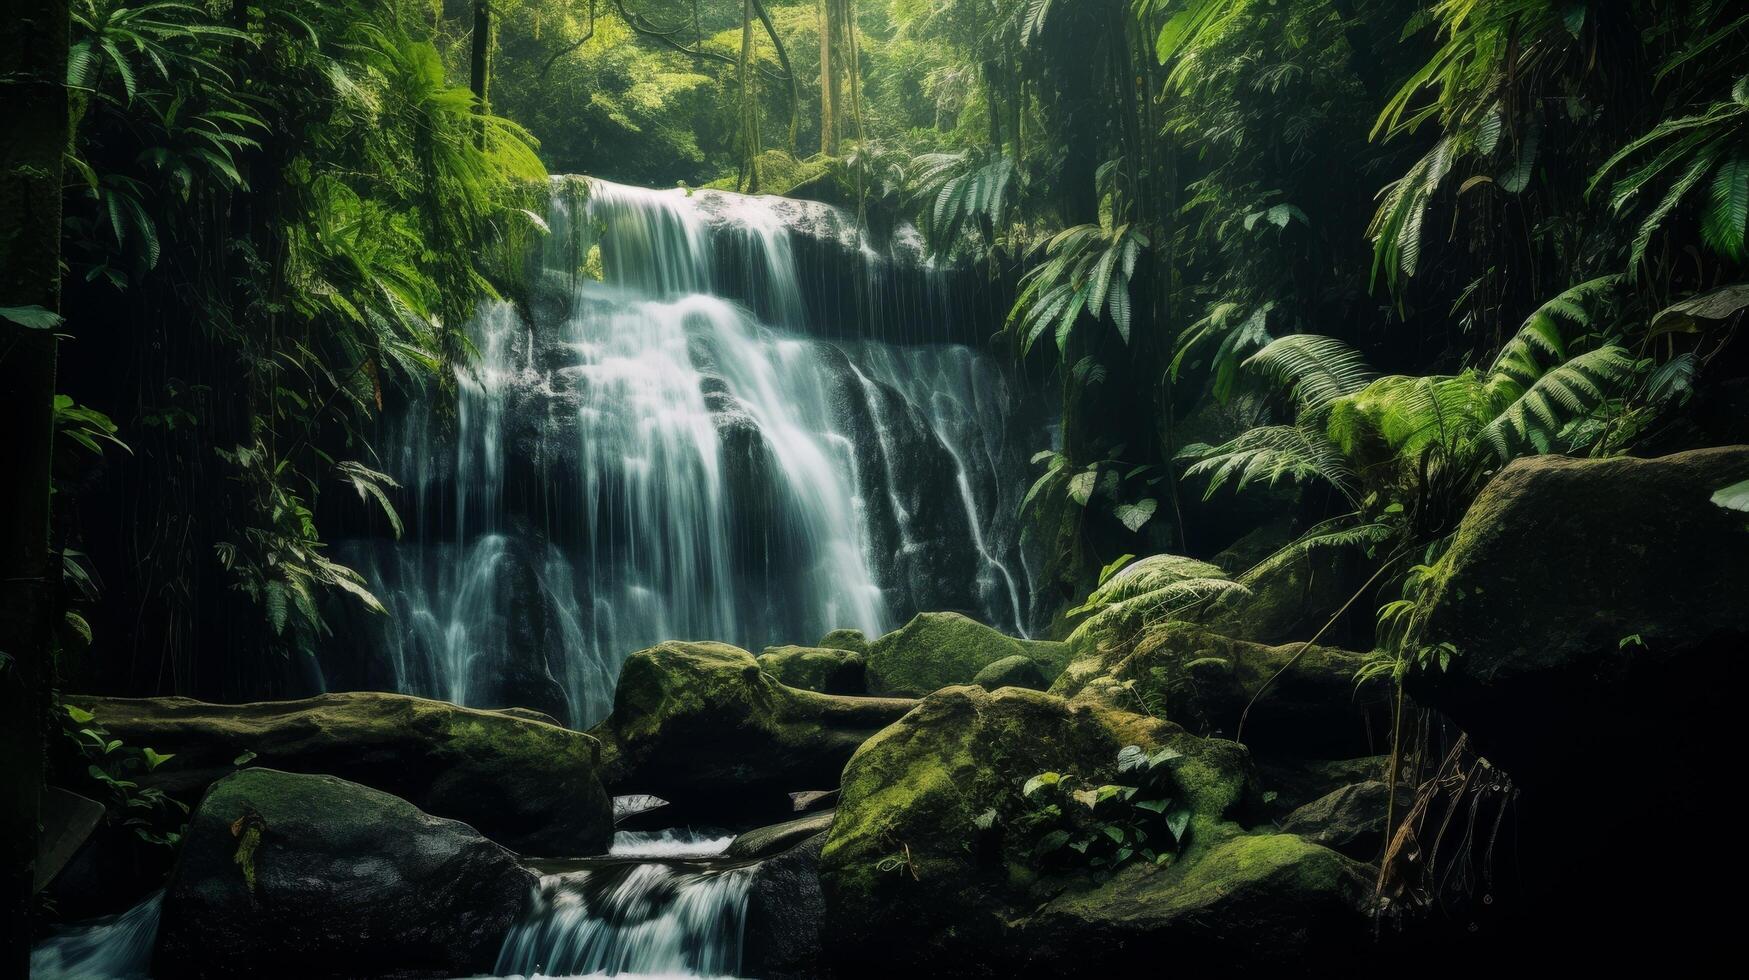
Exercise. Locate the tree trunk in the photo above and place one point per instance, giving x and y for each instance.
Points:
(840, 78)
(33, 45)
(830, 10)
(480, 65)
(750, 141)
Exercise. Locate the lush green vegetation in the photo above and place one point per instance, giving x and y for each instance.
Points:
(1351, 256)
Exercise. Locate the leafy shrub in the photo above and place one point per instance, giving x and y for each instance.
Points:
(1104, 826)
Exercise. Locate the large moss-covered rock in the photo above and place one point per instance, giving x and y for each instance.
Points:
(1589, 630)
(931, 844)
(1584, 596)
(1015, 671)
(702, 726)
(935, 650)
(285, 874)
(845, 639)
(1204, 681)
(821, 669)
(531, 786)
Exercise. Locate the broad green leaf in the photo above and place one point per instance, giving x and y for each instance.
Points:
(32, 317)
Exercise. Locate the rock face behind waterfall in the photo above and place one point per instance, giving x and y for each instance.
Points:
(702, 726)
(312, 876)
(530, 786)
(930, 868)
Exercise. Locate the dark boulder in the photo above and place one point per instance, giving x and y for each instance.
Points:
(1588, 629)
(284, 874)
(700, 725)
(785, 909)
(1350, 820)
(528, 785)
(1590, 596)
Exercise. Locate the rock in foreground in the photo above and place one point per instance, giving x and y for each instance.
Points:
(530, 786)
(284, 874)
(934, 842)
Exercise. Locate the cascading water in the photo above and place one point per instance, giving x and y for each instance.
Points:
(116, 948)
(681, 437)
(632, 917)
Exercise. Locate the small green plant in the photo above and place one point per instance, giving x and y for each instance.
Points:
(1106, 825)
(153, 816)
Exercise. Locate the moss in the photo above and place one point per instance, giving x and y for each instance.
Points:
(1016, 671)
(851, 640)
(827, 671)
(702, 724)
(906, 855)
(935, 650)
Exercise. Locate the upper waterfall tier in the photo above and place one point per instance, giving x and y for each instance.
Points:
(675, 439)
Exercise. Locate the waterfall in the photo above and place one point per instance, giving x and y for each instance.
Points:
(642, 918)
(717, 417)
(114, 948)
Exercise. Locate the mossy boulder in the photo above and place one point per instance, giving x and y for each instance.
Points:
(1204, 681)
(287, 874)
(702, 726)
(851, 640)
(1247, 905)
(934, 842)
(529, 785)
(821, 669)
(1584, 596)
(1590, 624)
(1015, 671)
(939, 649)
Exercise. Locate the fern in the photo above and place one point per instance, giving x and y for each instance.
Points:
(1270, 454)
(1316, 370)
(1567, 392)
(1151, 590)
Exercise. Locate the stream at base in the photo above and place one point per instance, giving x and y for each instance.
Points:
(659, 904)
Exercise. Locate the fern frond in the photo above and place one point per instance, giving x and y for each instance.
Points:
(1318, 369)
(1269, 454)
(1565, 393)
